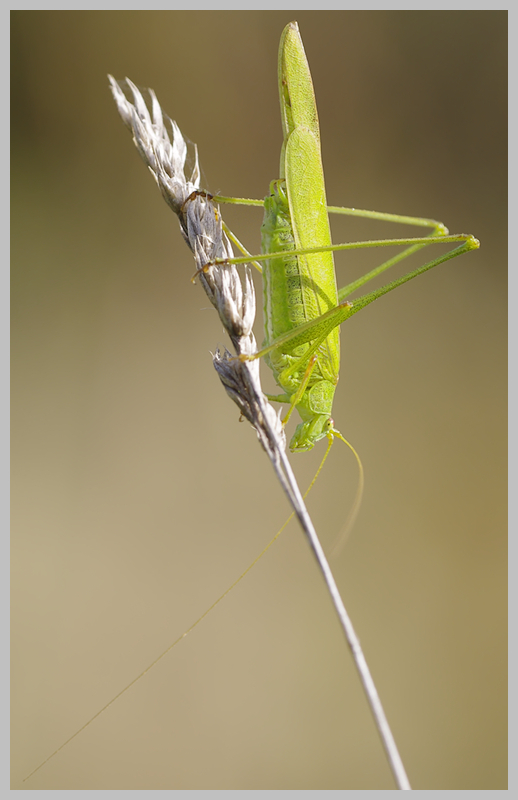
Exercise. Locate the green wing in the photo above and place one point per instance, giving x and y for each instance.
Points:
(301, 166)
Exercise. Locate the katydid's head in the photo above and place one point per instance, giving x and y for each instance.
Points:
(307, 434)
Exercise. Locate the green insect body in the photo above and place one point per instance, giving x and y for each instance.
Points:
(292, 298)
(303, 310)
(299, 289)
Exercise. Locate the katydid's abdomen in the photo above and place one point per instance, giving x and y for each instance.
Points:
(292, 298)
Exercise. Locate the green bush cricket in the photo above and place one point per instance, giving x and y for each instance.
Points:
(303, 309)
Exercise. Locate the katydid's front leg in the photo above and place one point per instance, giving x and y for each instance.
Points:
(436, 235)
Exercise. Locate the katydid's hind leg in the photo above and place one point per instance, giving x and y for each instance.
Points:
(315, 331)
(347, 290)
(466, 243)
(469, 244)
(438, 228)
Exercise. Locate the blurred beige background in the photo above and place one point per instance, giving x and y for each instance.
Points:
(138, 497)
